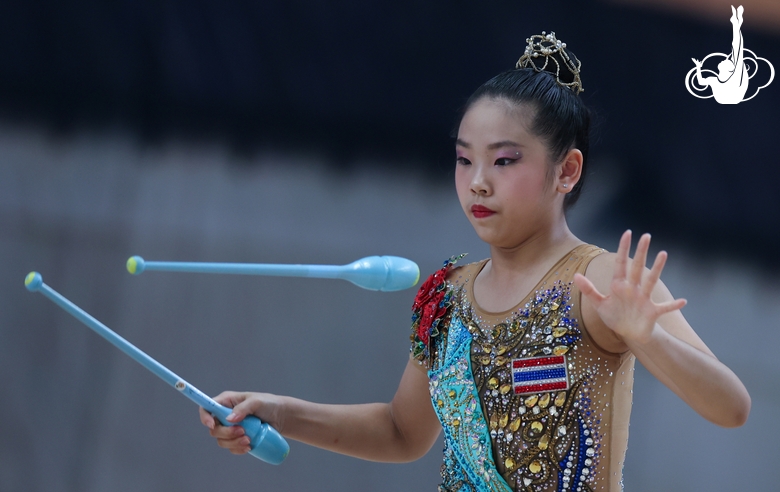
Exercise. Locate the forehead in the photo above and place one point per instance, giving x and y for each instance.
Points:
(490, 119)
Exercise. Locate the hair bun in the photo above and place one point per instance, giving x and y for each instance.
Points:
(547, 53)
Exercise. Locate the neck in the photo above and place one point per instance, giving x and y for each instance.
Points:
(547, 245)
(513, 271)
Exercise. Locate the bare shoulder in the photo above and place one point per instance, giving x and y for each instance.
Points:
(600, 271)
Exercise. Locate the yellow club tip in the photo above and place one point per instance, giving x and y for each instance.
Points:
(131, 265)
(29, 278)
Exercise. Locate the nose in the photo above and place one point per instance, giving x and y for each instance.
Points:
(480, 182)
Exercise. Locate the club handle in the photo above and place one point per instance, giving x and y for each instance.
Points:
(137, 265)
(265, 442)
(384, 273)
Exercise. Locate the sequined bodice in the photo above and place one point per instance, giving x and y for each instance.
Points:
(554, 405)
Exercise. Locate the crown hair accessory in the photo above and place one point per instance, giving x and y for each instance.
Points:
(540, 51)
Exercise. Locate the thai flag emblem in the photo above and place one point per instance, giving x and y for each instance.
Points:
(539, 374)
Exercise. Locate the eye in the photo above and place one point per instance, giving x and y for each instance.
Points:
(505, 161)
(462, 161)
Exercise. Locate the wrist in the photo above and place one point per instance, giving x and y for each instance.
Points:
(285, 411)
(643, 338)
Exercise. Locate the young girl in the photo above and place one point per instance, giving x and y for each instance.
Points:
(523, 359)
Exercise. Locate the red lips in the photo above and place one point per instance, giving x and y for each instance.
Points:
(480, 211)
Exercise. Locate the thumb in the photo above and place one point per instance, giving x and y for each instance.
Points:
(670, 306)
(588, 289)
(244, 406)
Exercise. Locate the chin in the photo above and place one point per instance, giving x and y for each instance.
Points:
(496, 241)
(485, 236)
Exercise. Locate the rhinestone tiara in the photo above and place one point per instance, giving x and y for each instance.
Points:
(539, 53)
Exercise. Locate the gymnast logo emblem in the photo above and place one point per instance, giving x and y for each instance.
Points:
(729, 84)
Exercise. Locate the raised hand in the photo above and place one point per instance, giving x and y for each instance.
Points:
(627, 309)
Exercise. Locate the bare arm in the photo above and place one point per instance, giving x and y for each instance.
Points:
(639, 314)
(399, 431)
(701, 80)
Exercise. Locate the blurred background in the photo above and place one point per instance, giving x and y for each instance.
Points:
(319, 132)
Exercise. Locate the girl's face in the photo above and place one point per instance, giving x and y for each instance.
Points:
(503, 175)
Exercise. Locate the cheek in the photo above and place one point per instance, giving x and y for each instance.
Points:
(528, 189)
(462, 181)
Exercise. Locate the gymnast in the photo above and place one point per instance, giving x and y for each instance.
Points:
(523, 359)
(731, 84)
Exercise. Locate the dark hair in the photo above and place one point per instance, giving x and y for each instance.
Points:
(561, 118)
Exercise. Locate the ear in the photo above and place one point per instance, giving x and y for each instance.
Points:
(570, 171)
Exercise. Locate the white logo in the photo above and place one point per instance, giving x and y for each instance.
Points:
(730, 84)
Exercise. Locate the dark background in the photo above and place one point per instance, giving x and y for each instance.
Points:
(356, 79)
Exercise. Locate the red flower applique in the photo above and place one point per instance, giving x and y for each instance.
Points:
(428, 303)
(429, 307)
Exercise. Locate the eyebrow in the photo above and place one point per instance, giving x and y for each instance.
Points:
(493, 146)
